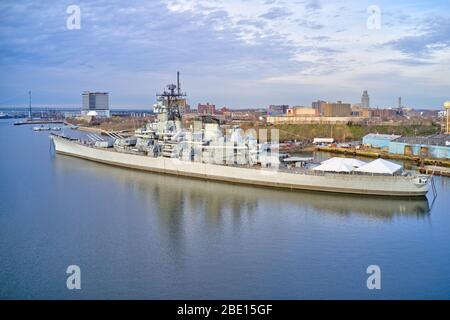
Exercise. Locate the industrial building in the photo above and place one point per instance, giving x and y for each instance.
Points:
(435, 146)
(95, 103)
(385, 113)
(381, 141)
(277, 110)
(358, 111)
(337, 109)
(314, 120)
(302, 111)
(318, 105)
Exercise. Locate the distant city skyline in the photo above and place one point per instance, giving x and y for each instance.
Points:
(239, 54)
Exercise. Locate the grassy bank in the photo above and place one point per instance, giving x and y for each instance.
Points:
(348, 132)
(111, 124)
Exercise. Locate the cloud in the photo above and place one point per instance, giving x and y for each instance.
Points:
(410, 62)
(239, 53)
(310, 24)
(276, 13)
(313, 5)
(433, 35)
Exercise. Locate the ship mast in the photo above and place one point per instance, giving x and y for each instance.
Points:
(30, 116)
(171, 99)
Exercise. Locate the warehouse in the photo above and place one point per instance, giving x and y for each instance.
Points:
(379, 140)
(435, 146)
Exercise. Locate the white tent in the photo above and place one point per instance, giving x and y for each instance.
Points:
(338, 165)
(349, 161)
(298, 159)
(380, 166)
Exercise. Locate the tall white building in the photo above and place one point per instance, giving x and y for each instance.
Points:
(365, 100)
(97, 102)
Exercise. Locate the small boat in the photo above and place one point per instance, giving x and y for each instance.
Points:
(56, 129)
(41, 128)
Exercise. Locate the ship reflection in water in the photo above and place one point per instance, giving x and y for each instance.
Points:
(174, 194)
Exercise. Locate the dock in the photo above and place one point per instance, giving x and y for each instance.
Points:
(40, 121)
(439, 171)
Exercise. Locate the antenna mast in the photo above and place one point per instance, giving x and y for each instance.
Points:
(178, 82)
(171, 99)
(29, 106)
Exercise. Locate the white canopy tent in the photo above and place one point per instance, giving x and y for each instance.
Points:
(338, 165)
(380, 166)
(348, 161)
(298, 159)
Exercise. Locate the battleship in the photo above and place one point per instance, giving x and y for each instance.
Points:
(205, 150)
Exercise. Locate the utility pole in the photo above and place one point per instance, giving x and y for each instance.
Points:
(29, 105)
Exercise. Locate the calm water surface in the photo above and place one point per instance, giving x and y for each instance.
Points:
(142, 235)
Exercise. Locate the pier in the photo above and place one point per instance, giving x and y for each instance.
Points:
(40, 121)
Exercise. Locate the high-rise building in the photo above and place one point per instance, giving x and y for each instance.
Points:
(365, 100)
(98, 102)
(337, 109)
(302, 111)
(318, 105)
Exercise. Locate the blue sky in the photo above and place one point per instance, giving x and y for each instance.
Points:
(247, 53)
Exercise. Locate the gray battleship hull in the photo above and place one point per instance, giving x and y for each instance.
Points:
(408, 186)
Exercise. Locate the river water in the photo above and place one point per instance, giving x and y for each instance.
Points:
(148, 236)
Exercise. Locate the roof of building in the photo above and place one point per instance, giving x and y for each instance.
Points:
(382, 136)
(93, 92)
(435, 140)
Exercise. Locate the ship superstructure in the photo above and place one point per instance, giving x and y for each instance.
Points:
(203, 141)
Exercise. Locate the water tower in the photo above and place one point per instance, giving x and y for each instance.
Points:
(447, 108)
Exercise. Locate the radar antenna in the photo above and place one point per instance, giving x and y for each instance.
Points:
(171, 99)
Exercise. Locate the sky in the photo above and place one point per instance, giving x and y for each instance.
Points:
(239, 54)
